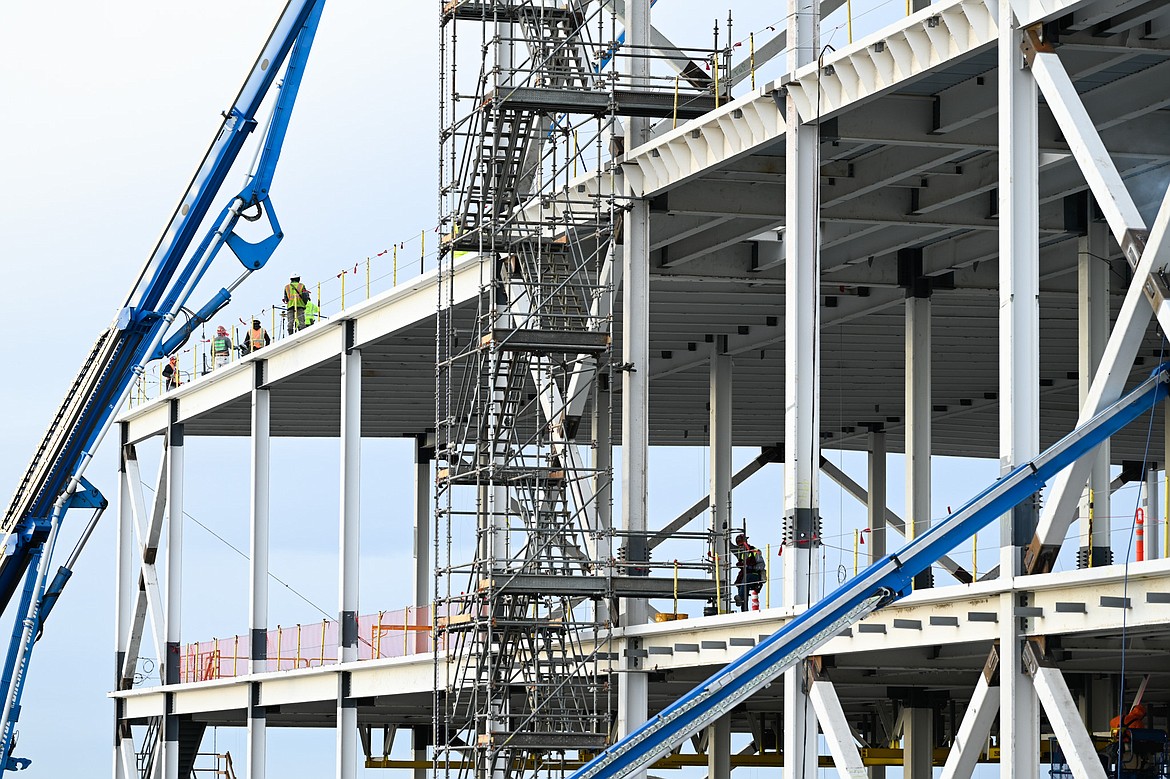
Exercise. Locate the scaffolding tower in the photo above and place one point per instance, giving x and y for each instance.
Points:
(525, 683)
(528, 564)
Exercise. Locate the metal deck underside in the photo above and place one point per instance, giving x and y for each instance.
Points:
(913, 166)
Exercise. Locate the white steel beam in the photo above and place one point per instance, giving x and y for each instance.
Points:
(1075, 742)
(918, 414)
(259, 440)
(1093, 284)
(171, 662)
(1019, 370)
(123, 600)
(633, 684)
(838, 736)
(875, 501)
(719, 430)
(348, 556)
(802, 333)
(974, 728)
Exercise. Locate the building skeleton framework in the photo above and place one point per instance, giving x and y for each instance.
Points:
(694, 275)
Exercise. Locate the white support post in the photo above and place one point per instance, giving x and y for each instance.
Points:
(423, 583)
(918, 413)
(351, 453)
(975, 726)
(123, 600)
(632, 683)
(174, 610)
(719, 429)
(838, 736)
(917, 742)
(1153, 543)
(719, 748)
(1019, 377)
(258, 565)
(1093, 332)
(603, 487)
(875, 504)
(802, 422)
(1053, 693)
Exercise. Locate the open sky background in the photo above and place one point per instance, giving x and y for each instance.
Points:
(107, 109)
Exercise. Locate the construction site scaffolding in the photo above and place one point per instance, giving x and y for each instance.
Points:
(526, 553)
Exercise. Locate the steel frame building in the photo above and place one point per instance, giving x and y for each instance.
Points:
(845, 224)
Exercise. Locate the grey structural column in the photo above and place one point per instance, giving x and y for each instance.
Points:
(1092, 334)
(719, 748)
(123, 599)
(424, 453)
(1153, 544)
(719, 430)
(603, 484)
(802, 422)
(258, 570)
(1019, 376)
(174, 612)
(875, 507)
(632, 683)
(875, 504)
(917, 740)
(348, 558)
(918, 409)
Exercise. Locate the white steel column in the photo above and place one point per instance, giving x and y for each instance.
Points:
(1019, 379)
(123, 602)
(719, 748)
(719, 429)
(632, 684)
(1093, 332)
(918, 412)
(802, 418)
(174, 594)
(423, 583)
(917, 742)
(258, 565)
(876, 500)
(351, 452)
(1153, 543)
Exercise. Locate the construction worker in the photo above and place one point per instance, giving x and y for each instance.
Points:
(750, 563)
(296, 297)
(257, 338)
(221, 348)
(312, 312)
(170, 373)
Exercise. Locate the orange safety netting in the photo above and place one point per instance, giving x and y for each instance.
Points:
(385, 634)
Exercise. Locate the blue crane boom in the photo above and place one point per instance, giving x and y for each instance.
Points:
(53, 482)
(882, 583)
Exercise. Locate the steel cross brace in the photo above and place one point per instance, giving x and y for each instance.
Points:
(1147, 253)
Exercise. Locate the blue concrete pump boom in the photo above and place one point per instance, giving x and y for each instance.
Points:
(54, 481)
(882, 583)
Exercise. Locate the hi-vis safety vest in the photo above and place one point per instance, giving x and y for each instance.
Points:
(256, 337)
(749, 556)
(312, 311)
(221, 344)
(297, 295)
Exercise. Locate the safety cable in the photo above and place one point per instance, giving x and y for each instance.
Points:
(244, 555)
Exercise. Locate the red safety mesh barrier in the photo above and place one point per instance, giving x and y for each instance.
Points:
(385, 634)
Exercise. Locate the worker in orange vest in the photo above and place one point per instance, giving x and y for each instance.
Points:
(170, 372)
(750, 563)
(257, 338)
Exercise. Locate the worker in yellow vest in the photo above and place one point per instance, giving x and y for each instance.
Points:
(312, 312)
(257, 338)
(296, 297)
